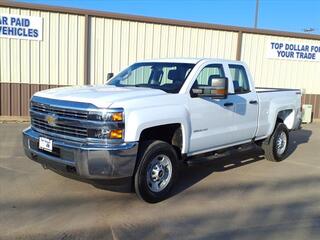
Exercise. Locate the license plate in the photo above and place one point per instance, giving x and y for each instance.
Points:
(45, 144)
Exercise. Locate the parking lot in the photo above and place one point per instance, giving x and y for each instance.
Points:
(240, 196)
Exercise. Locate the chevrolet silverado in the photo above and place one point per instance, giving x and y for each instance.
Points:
(153, 116)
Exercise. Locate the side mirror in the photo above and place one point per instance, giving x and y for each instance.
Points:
(109, 75)
(218, 89)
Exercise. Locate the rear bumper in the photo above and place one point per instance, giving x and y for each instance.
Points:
(89, 161)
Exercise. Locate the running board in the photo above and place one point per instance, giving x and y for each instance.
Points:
(210, 156)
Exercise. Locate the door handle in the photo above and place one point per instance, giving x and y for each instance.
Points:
(228, 104)
(253, 102)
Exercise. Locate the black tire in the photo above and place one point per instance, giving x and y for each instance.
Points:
(270, 144)
(148, 151)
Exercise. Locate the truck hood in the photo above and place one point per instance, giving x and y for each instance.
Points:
(102, 96)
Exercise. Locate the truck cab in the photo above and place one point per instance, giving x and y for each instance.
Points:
(235, 113)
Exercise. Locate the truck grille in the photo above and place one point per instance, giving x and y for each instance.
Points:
(60, 129)
(40, 112)
(43, 108)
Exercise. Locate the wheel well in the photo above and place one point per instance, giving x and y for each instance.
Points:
(286, 117)
(279, 120)
(170, 133)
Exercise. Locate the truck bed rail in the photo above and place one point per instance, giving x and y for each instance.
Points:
(268, 89)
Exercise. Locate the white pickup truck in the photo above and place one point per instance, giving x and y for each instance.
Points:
(153, 116)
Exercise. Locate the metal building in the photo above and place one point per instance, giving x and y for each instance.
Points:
(81, 46)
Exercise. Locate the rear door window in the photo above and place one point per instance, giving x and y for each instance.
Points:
(239, 78)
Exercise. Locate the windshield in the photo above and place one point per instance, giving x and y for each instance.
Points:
(168, 77)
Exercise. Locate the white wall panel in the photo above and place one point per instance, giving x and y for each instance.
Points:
(277, 72)
(148, 47)
(64, 47)
(45, 51)
(186, 42)
(5, 55)
(164, 41)
(133, 42)
(34, 57)
(113, 44)
(118, 43)
(58, 59)
(156, 41)
(25, 57)
(15, 62)
(124, 49)
(80, 30)
(54, 30)
(72, 50)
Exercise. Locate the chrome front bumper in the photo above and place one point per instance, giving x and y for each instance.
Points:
(90, 161)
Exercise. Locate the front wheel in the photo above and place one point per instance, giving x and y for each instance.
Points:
(276, 146)
(157, 171)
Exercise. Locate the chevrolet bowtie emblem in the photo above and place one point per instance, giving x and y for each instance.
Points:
(51, 120)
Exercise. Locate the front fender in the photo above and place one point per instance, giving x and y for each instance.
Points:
(140, 119)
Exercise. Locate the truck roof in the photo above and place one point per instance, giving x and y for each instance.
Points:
(191, 60)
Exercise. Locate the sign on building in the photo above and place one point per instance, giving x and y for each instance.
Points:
(20, 27)
(293, 51)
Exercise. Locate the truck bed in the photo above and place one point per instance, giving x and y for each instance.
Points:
(273, 100)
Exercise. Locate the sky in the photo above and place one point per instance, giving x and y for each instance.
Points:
(284, 15)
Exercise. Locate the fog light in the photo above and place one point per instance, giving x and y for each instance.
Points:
(116, 134)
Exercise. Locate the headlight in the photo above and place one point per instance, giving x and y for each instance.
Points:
(112, 115)
(113, 124)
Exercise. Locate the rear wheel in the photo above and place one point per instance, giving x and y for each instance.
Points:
(276, 146)
(157, 171)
